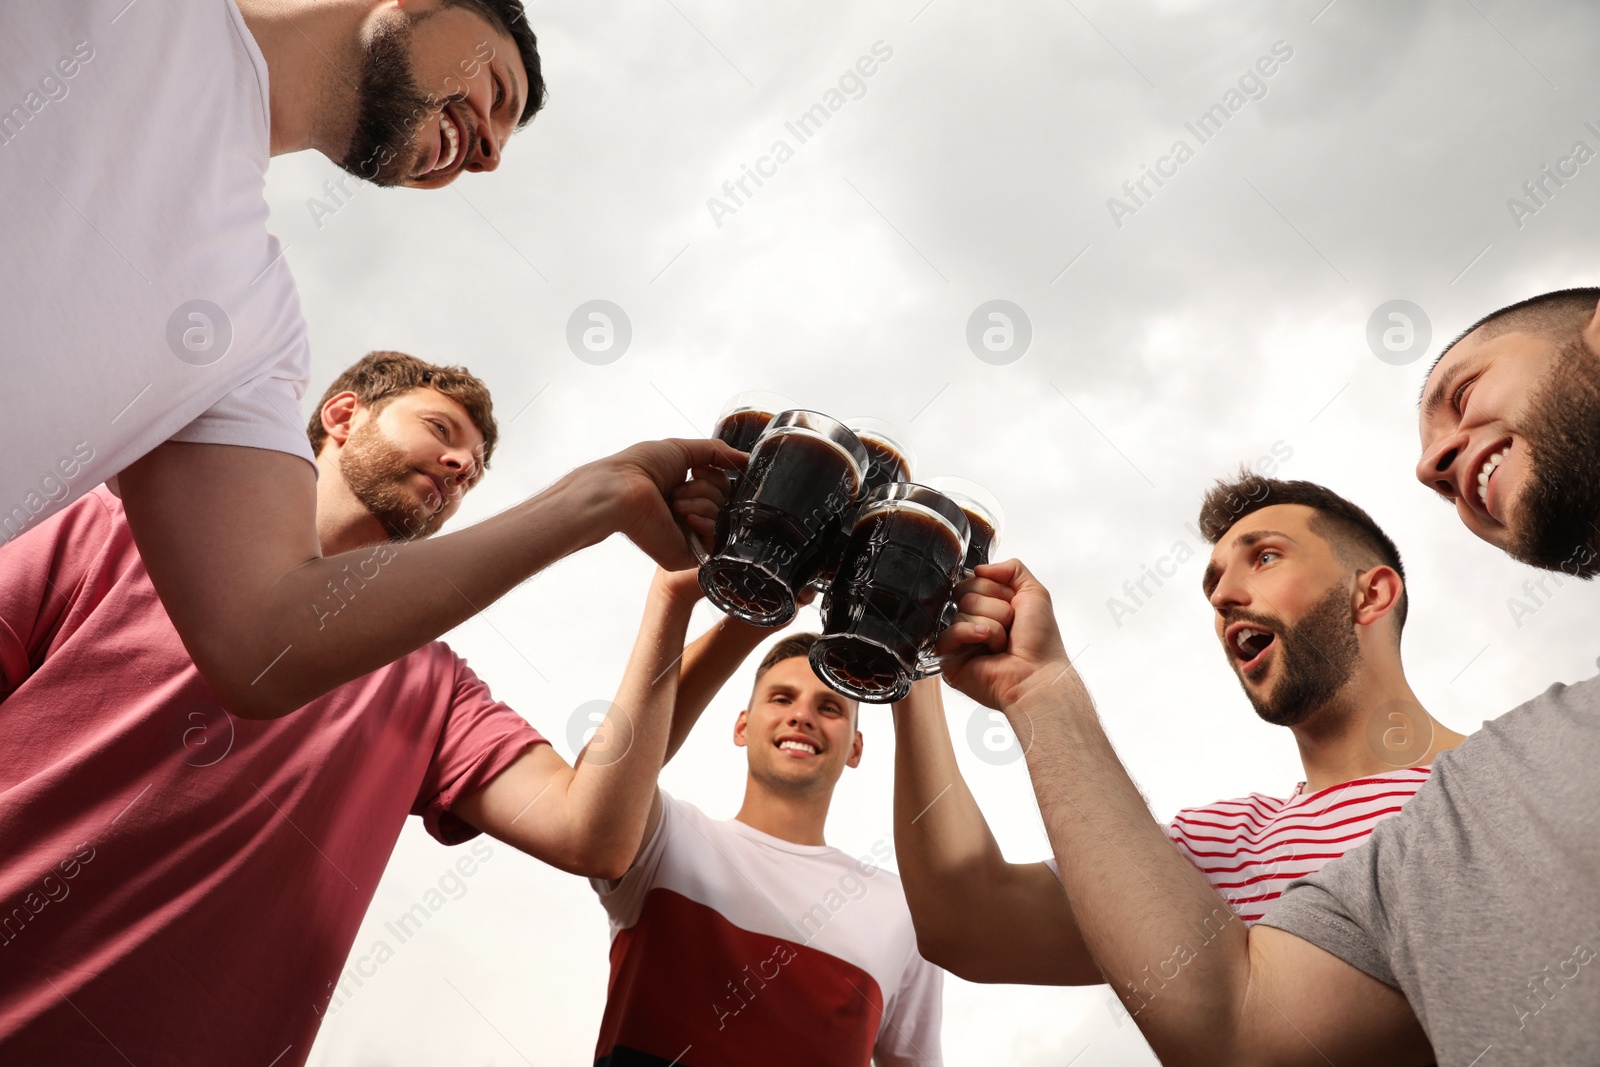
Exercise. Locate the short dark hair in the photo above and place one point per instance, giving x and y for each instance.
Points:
(378, 377)
(793, 646)
(1562, 313)
(511, 18)
(1355, 538)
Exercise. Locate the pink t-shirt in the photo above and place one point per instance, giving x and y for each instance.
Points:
(177, 886)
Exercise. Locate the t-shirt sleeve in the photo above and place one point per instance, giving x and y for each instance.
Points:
(480, 739)
(41, 576)
(262, 413)
(909, 1036)
(1340, 908)
(624, 897)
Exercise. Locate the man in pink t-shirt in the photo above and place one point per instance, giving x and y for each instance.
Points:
(181, 886)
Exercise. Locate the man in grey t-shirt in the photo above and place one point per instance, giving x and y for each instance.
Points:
(1483, 902)
(1466, 930)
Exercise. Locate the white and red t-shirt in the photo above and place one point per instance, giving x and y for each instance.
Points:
(178, 886)
(731, 946)
(1250, 849)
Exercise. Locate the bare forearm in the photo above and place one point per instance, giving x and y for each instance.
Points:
(946, 852)
(1169, 945)
(976, 914)
(707, 665)
(614, 780)
(291, 624)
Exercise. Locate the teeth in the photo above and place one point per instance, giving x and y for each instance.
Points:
(1244, 635)
(453, 137)
(1489, 466)
(799, 746)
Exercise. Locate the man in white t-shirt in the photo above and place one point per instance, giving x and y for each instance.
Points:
(153, 337)
(1308, 597)
(750, 940)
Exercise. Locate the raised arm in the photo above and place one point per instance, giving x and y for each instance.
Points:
(589, 819)
(228, 535)
(1202, 988)
(977, 916)
(709, 661)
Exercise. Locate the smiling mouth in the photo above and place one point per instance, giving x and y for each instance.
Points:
(1490, 465)
(798, 746)
(452, 151)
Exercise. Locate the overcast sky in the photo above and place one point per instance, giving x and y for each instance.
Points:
(1219, 317)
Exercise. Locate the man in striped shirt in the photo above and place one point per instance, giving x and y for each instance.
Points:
(1309, 599)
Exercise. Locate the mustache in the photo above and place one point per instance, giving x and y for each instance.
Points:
(1266, 622)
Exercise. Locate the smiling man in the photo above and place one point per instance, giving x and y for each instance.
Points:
(750, 940)
(1308, 600)
(183, 887)
(1510, 427)
(1464, 930)
(153, 325)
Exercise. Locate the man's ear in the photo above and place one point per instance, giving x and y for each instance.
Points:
(1591, 332)
(855, 751)
(1377, 592)
(741, 728)
(338, 416)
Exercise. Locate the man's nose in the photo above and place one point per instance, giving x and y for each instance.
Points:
(487, 156)
(1436, 467)
(1230, 591)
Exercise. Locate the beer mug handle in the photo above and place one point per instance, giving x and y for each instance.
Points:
(928, 664)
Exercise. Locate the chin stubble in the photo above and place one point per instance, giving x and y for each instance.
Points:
(1318, 655)
(1557, 519)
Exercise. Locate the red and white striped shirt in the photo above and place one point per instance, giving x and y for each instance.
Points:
(1252, 848)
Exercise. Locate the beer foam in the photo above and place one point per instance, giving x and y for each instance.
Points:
(882, 506)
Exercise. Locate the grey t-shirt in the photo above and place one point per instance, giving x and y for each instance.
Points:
(1481, 900)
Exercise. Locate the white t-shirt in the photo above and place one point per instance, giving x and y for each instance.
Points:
(731, 946)
(141, 297)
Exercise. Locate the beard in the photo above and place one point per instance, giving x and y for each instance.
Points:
(376, 471)
(390, 106)
(1319, 654)
(1560, 508)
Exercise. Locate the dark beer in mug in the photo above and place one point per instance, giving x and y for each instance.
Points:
(888, 461)
(892, 594)
(983, 516)
(804, 475)
(740, 429)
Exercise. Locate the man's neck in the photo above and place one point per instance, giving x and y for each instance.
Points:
(313, 67)
(1374, 724)
(796, 819)
(343, 523)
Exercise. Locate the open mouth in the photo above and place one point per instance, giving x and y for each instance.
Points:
(1485, 480)
(1249, 645)
(800, 748)
(453, 135)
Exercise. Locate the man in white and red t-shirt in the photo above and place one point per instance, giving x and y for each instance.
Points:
(181, 886)
(1309, 599)
(750, 940)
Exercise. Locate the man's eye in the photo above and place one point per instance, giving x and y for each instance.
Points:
(1460, 396)
(499, 93)
(1262, 558)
